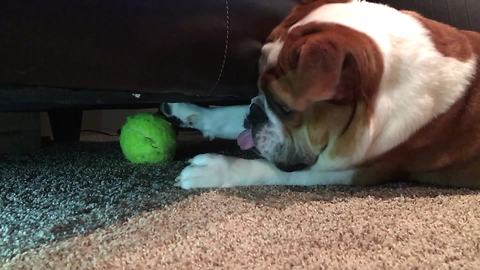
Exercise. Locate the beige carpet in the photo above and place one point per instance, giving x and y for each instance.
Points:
(396, 226)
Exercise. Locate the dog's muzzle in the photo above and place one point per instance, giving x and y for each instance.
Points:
(256, 117)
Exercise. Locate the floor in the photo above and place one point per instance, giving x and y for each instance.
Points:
(65, 190)
(83, 206)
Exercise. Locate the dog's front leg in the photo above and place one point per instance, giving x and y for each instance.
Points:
(217, 122)
(213, 170)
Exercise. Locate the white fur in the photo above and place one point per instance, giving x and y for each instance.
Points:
(270, 53)
(419, 83)
(212, 170)
(216, 122)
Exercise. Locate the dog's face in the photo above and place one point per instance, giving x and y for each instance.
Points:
(317, 82)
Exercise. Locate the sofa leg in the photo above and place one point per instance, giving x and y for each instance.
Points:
(66, 124)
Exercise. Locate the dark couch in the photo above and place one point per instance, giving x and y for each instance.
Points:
(98, 53)
(64, 56)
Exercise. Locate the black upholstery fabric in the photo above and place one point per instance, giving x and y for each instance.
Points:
(170, 47)
(464, 14)
(200, 50)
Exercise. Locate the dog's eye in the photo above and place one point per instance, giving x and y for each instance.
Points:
(283, 109)
(278, 107)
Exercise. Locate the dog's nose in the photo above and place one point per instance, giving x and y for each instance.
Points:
(257, 116)
(291, 167)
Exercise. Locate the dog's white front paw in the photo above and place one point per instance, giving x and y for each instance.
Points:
(189, 115)
(206, 171)
(182, 114)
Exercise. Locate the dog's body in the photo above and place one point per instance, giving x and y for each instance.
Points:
(351, 93)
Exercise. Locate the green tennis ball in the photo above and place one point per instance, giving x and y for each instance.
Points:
(147, 138)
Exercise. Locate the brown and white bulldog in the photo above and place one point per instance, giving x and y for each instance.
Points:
(351, 92)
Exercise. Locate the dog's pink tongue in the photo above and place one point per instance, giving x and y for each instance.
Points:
(245, 140)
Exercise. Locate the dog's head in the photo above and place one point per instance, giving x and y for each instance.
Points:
(315, 79)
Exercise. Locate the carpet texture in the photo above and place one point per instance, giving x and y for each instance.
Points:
(83, 207)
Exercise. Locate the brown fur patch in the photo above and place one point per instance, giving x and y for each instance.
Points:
(462, 175)
(344, 122)
(323, 119)
(347, 142)
(375, 174)
(325, 62)
(448, 40)
(299, 12)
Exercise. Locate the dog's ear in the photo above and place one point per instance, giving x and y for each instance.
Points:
(327, 63)
(316, 64)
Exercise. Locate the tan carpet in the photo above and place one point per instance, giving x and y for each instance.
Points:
(278, 228)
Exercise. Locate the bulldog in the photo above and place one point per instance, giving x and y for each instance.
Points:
(350, 93)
